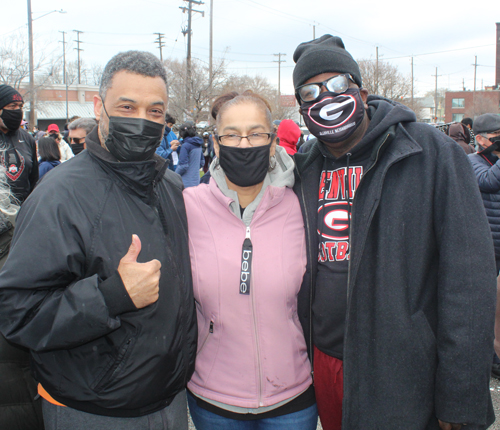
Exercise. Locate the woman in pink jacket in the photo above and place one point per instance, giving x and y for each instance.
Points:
(248, 256)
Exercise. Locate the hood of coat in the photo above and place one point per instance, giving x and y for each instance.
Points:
(53, 163)
(279, 177)
(195, 141)
(458, 132)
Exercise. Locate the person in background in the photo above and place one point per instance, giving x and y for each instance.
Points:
(486, 165)
(64, 148)
(191, 158)
(50, 157)
(207, 150)
(169, 145)
(19, 409)
(399, 292)
(78, 131)
(469, 124)
(289, 135)
(252, 370)
(460, 134)
(18, 148)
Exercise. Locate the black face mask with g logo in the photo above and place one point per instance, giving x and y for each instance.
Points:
(334, 117)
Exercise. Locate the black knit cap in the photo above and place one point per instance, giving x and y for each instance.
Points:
(9, 95)
(323, 55)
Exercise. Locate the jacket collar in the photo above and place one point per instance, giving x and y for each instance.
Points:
(138, 177)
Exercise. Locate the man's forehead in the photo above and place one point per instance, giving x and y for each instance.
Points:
(13, 104)
(132, 85)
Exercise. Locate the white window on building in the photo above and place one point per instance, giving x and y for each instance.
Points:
(457, 103)
(457, 117)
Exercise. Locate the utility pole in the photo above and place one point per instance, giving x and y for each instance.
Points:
(65, 79)
(279, 61)
(412, 107)
(210, 57)
(78, 41)
(474, 93)
(463, 84)
(188, 31)
(376, 72)
(31, 117)
(160, 44)
(475, 70)
(436, 96)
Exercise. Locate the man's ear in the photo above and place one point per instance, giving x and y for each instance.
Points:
(364, 96)
(97, 107)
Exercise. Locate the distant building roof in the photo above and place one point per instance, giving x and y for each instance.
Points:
(57, 110)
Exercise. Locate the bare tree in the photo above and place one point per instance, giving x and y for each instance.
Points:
(199, 88)
(264, 88)
(385, 81)
(14, 64)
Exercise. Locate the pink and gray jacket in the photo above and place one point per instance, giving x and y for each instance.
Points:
(251, 347)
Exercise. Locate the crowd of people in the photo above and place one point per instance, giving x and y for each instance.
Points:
(257, 279)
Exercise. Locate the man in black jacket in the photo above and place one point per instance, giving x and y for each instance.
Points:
(112, 342)
(17, 146)
(398, 298)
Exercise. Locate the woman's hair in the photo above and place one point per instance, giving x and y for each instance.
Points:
(187, 130)
(225, 101)
(48, 149)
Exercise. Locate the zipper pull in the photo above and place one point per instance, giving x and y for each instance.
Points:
(211, 329)
(246, 264)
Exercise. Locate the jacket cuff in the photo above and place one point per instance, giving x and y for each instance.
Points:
(116, 296)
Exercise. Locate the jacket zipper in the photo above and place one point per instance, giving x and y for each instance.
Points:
(351, 229)
(254, 317)
(210, 331)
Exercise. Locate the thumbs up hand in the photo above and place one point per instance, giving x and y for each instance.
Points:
(141, 280)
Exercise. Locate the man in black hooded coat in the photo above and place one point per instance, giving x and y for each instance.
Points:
(399, 292)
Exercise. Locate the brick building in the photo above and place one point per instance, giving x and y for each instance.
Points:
(463, 104)
(51, 104)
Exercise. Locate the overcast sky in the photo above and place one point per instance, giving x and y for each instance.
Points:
(443, 34)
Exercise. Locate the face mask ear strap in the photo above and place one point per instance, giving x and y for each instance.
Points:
(103, 105)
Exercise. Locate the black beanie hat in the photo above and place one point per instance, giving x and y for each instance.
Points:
(9, 95)
(323, 55)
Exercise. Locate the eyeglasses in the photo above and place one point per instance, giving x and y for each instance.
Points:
(255, 139)
(337, 84)
(77, 140)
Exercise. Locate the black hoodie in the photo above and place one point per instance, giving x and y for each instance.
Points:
(334, 209)
(418, 336)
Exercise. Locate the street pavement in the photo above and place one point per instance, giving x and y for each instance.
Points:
(495, 396)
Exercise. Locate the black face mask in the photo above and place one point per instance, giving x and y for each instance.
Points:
(495, 145)
(12, 118)
(245, 166)
(133, 139)
(334, 117)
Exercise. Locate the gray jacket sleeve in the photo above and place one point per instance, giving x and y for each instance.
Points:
(488, 176)
(466, 293)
